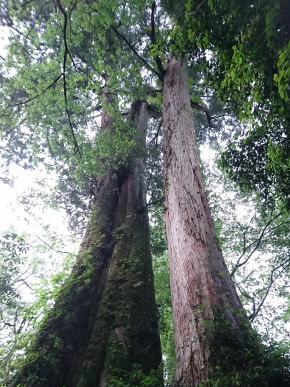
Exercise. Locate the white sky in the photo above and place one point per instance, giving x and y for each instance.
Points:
(14, 215)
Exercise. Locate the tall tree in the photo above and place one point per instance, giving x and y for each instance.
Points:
(99, 331)
(103, 325)
(200, 282)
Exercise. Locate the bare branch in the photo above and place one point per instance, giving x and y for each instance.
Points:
(256, 242)
(248, 296)
(10, 24)
(155, 138)
(269, 286)
(197, 106)
(152, 203)
(52, 248)
(23, 281)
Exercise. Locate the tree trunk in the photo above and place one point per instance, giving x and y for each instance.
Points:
(103, 327)
(200, 283)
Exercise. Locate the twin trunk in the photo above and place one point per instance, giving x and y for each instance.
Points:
(103, 326)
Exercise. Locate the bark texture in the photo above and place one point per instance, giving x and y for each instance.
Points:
(104, 322)
(200, 281)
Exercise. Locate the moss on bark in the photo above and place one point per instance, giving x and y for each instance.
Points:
(104, 321)
(240, 358)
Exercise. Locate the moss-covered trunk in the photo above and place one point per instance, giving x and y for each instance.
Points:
(102, 330)
(202, 291)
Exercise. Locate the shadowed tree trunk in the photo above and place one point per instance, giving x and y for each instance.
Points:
(200, 283)
(103, 326)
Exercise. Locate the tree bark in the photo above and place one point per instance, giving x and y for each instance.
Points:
(103, 326)
(200, 283)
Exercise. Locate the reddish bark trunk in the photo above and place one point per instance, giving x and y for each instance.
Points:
(200, 282)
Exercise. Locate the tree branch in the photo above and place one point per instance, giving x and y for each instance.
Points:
(152, 203)
(49, 246)
(65, 54)
(155, 138)
(132, 48)
(197, 8)
(197, 106)
(37, 95)
(256, 242)
(153, 41)
(268, 288)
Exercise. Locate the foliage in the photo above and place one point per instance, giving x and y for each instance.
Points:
(239, 358)
(247, 74)
(260, 162)
(58, 77)
(12, 251)
(243, 49)
(78, 142)
(162, 292)
(163, 299)
(136, 377)
(33, 285)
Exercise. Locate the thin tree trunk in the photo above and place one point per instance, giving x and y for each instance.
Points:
(103, 325)
(200, 282)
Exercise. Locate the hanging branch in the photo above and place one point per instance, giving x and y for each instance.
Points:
(65, 27)
(132, 48)
(65, 55)
(153, 41)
